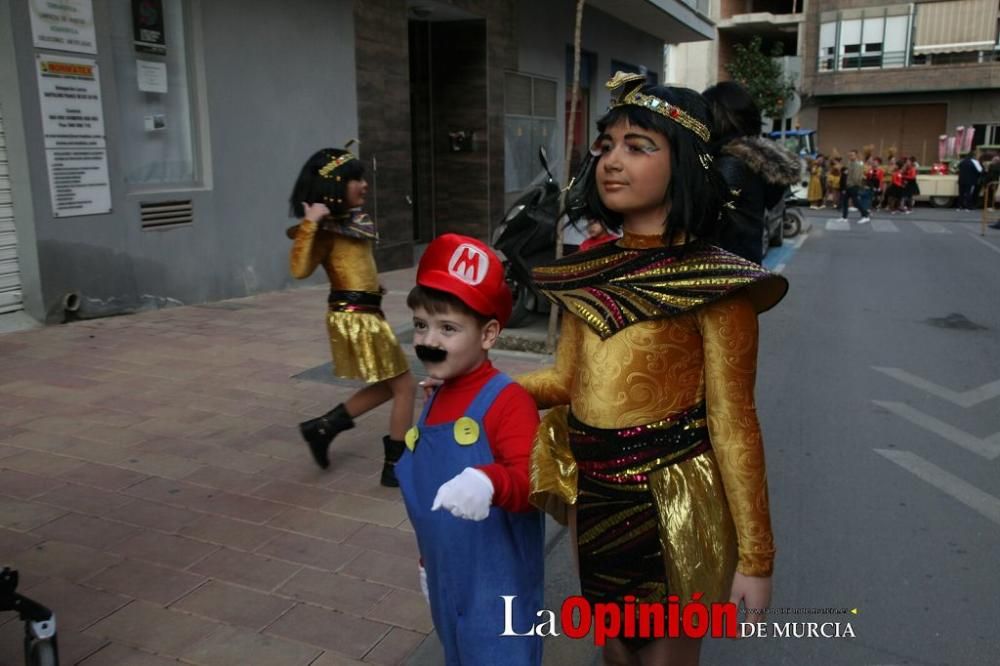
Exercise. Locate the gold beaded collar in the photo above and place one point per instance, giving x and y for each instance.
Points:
(631, 95)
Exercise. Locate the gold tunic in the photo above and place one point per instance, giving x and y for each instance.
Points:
(362, 344)
(639, 374)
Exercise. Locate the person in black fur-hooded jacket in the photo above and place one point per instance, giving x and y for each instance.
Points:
(756, 170)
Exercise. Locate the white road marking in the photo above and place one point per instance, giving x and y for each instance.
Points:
(969, 398)
(838, 225)
(966, 493)
(986, 242)
(798, 242)
(779, 268)
(931, 227)
(987, 447)
(884, 225)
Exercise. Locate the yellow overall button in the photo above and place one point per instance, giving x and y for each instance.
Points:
(412, 435)
(466, 431)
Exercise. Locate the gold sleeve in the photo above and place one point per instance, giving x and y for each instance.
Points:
(551, 386)
(729, 331)
(308, 251)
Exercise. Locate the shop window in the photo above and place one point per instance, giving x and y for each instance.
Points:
(157, 140)
(529, 122)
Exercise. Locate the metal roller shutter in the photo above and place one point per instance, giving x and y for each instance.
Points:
(10, 276)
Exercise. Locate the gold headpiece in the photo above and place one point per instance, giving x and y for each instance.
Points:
(334, 163)
(630, 95)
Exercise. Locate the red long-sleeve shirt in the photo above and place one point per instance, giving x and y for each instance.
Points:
(510, 425)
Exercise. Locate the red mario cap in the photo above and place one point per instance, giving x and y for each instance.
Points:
(467, 268)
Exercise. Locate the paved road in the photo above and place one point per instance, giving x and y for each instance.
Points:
(879, 395)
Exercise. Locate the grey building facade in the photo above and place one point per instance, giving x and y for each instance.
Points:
(204, 128)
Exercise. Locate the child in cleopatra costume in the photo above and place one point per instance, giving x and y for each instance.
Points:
(336, 234)
(657, 464)
(464, 475)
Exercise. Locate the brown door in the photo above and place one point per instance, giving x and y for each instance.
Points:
(912, 129)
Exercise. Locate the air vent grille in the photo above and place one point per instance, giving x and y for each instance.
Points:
(166, 214)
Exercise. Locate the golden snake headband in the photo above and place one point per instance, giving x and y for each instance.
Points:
(636, 98)
(334, 163)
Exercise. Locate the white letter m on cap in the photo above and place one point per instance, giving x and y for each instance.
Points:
(469, 264)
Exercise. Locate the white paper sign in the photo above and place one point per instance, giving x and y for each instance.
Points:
(152, 76)
(78, 182)
(63, 25)
(70, 94)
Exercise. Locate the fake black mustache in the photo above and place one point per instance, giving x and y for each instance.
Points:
(430, 354)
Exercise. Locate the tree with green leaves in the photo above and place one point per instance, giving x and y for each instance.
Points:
(762, 76)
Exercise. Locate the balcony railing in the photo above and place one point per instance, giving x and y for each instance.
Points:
(853, 62)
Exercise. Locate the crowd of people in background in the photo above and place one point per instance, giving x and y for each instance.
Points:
(890, 185)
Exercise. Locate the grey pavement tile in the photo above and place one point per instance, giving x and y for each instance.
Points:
(154, 515)
(19, 485)
(342, 593)
(232, 646)
(296, 494)
(387, 540)
(394, 648)
(406, 609)
(84, 499)
(366, 509)
(234, 605)
(349, 635)
(88, 531)
(254, 571)
(242, 507)
(386, 569)
(142, 580)
(317, 553)
(77, 606)
(12, 543)
(41, 463)
(23, 516)
(227, 480)
(168, 550)
(116, 654)
(65, 560)
(160, 630)
(106, 477)
(316, 524)
(236, 534)
(158, 464)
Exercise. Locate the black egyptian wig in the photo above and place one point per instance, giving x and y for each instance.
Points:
(683, 117)
(323, 179)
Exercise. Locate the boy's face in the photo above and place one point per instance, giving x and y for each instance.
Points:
(459, 335)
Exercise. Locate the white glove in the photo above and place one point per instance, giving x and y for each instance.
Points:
(468, 495)
(423, 583)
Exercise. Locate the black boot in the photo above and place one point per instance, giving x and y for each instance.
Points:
(393, 452)
(319, 432)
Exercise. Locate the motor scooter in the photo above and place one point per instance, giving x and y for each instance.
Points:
(526, 238)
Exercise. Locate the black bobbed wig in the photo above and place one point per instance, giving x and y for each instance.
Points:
(694, 190)
(311, 187)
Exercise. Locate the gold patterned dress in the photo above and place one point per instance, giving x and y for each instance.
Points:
(361, 341)
(654, 437)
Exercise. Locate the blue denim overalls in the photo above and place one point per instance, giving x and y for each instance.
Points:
(471, 564)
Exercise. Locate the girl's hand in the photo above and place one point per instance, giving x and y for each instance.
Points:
(754, 592)
(428, 385)
(315, 212)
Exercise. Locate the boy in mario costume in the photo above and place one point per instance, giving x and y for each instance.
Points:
(464, 473)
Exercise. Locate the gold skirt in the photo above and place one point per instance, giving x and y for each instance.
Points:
(696, 531)
(364, 347)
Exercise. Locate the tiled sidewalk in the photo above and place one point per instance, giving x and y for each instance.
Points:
(155, 493)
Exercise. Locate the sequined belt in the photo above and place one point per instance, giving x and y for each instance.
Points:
(628, 455)
(355, 301)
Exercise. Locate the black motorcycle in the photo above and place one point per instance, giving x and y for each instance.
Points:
(526, 238)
